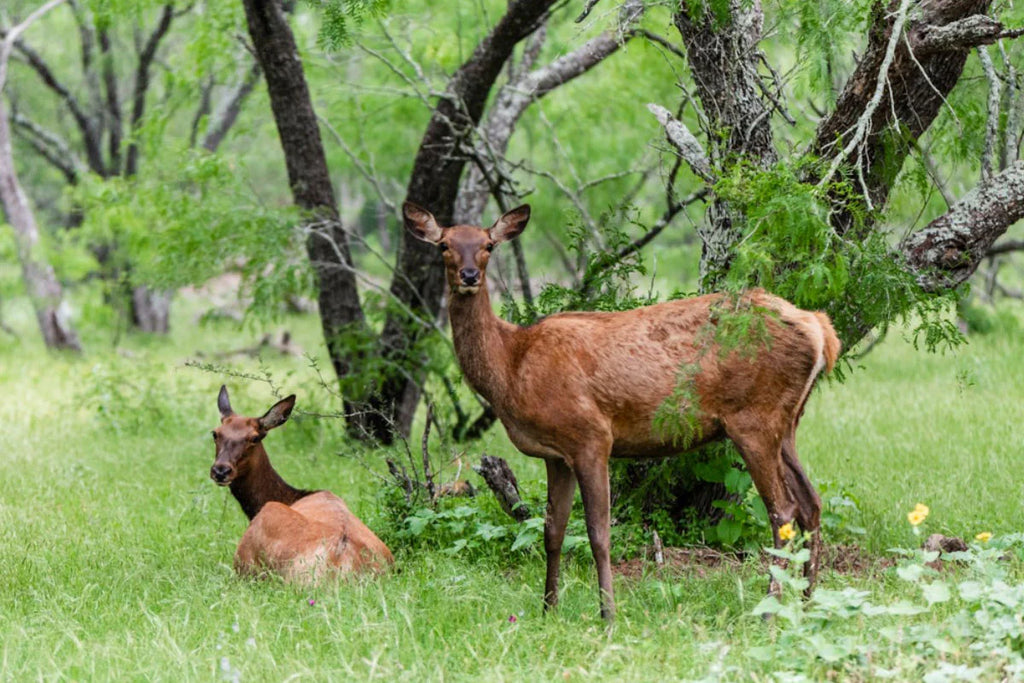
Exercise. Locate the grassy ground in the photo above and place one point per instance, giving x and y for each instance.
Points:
(115, 547)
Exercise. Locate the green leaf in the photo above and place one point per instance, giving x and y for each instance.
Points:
(936, 592)
(768, 605)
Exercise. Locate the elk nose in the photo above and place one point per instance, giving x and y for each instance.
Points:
(220, 473)
(470, 276)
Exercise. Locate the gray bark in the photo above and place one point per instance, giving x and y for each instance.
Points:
(43, 288)
(925, 66)
(949, 249)
(723, 59)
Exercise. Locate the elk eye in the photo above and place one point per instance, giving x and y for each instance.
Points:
(490, 247)
(443, 247)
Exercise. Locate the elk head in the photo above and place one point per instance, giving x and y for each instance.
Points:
(238, 438)
(466, 249)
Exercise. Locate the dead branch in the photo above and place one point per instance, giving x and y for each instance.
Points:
(428, 475)
(502, 481)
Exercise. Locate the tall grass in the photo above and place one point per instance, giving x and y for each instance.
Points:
(115, 548)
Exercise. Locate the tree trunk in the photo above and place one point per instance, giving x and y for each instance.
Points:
(327, 244)
(151, 309)
(44, 290)
(723, 58)
(418, 283)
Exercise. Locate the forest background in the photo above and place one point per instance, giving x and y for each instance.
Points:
(191, 190)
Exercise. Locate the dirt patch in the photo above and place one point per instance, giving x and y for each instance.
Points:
(844, 559)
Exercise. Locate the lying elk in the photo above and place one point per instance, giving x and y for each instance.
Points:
(579, 388)
(300, 535)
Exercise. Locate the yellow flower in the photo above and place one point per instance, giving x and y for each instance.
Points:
(786, 531)
(918, 514)
(984, 536)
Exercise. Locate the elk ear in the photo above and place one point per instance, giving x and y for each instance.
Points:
(421, 223)
(224, 404)
(278, 414)
(510, 225)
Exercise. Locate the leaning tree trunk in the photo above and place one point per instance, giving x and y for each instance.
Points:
(327, 244)
(44, 290)
(418, 283)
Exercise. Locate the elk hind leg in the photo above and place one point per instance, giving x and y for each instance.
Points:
(808, 512)
(762, 454)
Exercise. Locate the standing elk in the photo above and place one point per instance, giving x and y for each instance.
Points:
(578, 388)
(301, 535)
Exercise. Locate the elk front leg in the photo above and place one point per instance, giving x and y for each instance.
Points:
(561, 486)
(592, 473)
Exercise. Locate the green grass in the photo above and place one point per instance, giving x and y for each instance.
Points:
(115, 547)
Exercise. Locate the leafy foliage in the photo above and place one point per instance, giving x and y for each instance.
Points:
(982, 636)
(790, 248)
(178, 222)
(338, 15)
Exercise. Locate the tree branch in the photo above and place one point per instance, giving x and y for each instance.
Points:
(115, 125)
(49, 146)
(229, 109)
(686, 144)
(914, 87)
(87, 126)
(963, 34)
(146, 57)
(1005, 247)
(948, 250)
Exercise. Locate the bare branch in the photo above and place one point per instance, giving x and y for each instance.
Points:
(586, 10)
(973, 31)
(146, 57)
(688, 146)
(86, 124)
(229, 109)
(992, 124)
(49, 146)
(1005, 247)
(662, 41)
(863, 124)
(115, 124)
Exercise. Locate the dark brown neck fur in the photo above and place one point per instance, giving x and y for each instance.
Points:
(262, 484)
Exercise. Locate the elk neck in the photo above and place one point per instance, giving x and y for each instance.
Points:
(481, 340)
(262, 484)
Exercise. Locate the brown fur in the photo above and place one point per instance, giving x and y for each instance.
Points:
(578, 388)
(304, 536)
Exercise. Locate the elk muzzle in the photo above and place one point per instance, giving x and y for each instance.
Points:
(222, 474)
(469, 280)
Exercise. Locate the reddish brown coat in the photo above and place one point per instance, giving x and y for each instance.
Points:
(579, 388)
(304, 536)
